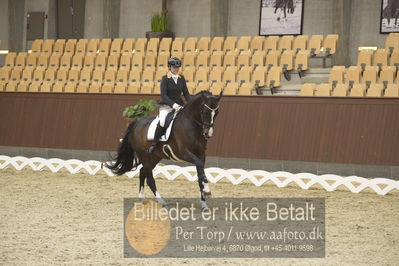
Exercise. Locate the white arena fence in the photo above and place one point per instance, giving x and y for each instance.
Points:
(281, 179)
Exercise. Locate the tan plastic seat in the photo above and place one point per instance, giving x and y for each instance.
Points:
(231, 88)
(4, 77)
(42, 61)
(216, 88)
(364, 58)
(337, 74)
(271, 43)
(177, 46)
(31, 60)
(387, 75)
(138, 61)
(375, 90)
(134, 81)
(121, 81)
(147, 87)
(109, 81)
(394, 59)
(47, 47)
(125, 61)
(188, 74)
(203, 59)
(287, 60)
(140, 45)
(244, 59)
(116, 46)
(89, 61)
(245, 89)
(216, 44)
(392, 42)
(190, 45)
(274, 77)
(308, 89)
(353, 74)
(20, 60)
(92, 46)
(229, 59)
(215, 76)
(392, 90)
(128, 46)
(285, 43)
(191, 86)
(97, 80)
(59, 83)
(26, 79)
(315, 44)
(150, 60)
(330, 44)
(201, 75)
(272, 59)
(38, 76)
(259, 76)
(54, 62)
(165, 45)
(37, 46)
(341, 90)
(229, 44)
(203, 86)
(100, 61)
(84, 81)
(203, 44)
(65, 62)
(324, 89)
(162, 60)
(243, 44)
(77, 62)
(81, 46)
(113, 62)
(13, 80)
(302, 60)
(189, 59)
(370, 74)
(72, 82)
(258, 59)
(244, 75)
(229, 75)
(257, 43)
(381, 58)
(152, 46)
(148, 75)
(59, 46)
(10, 59)
(104, 46)
(70, 46)
(358, 90)
(300, 43)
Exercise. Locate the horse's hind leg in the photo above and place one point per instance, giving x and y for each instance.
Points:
(142, 182)
(153, 187)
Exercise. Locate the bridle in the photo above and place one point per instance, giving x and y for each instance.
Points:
(207, 125)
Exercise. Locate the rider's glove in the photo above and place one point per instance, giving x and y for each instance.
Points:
(177, 107)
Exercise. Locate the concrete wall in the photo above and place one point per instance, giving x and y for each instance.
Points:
(4, 24)
(135, 17)
(243, 18)
(94, 12)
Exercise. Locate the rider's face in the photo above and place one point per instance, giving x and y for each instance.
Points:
(174, 70)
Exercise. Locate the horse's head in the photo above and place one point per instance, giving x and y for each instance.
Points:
(209, 111)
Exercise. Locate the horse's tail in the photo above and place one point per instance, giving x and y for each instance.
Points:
(126, 159)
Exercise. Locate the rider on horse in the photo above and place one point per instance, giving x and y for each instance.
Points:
(172, 86)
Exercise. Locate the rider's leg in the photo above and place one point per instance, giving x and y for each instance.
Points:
(163, 112)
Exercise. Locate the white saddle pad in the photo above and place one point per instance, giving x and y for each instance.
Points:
(153, 126)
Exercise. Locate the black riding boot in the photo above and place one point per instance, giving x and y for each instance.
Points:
(157, 136)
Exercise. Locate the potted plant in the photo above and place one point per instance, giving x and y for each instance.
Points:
(159, 26)
(141, 109)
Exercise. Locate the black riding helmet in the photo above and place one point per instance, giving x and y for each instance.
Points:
(174, 61)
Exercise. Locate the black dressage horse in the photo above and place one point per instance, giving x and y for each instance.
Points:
(192, 128)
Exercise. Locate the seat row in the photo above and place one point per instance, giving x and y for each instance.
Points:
(380, 58)
(345, 89)
(287, 59)
(316, 44)
(371, 74)
(232, 80)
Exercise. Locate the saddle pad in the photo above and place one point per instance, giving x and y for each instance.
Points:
(153, 126)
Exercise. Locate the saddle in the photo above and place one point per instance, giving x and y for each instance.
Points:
(170, 118)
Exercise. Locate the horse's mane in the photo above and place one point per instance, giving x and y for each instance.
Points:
(195, 99)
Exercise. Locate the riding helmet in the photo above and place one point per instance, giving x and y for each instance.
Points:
(174, 61)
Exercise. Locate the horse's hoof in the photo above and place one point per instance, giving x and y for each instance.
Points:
(205, 209)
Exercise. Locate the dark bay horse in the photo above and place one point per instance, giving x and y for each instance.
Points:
(192, 128)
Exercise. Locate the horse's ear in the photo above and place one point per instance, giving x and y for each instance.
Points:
(220, 95)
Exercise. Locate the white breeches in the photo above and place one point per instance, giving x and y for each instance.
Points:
(164, 110)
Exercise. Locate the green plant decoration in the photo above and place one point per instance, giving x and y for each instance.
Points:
(141, 109)
(159, 22)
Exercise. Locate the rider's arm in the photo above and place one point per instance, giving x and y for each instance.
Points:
(186, 93)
